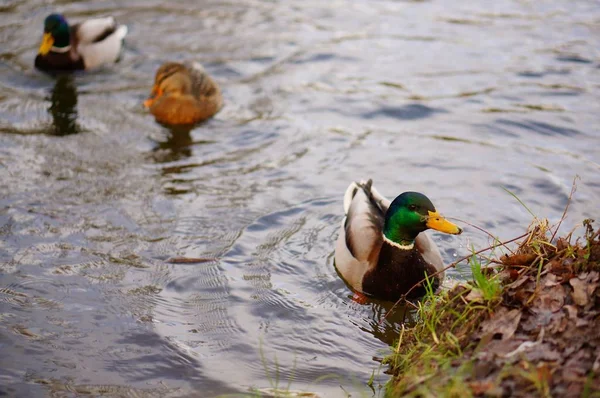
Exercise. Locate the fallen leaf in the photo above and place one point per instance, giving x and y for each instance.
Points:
(544, 373)
(580, 295)
(572, 310)
(550, 299)
(550, 280)
(481, 387)
(518, 259)
(504, 322)
(562, 244)
(519, 282)
(543, 352)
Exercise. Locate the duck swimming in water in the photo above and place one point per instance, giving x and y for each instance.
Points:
(83, 46)
(381, 249)
(183, 94)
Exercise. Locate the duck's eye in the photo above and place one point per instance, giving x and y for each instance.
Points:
(412, 207)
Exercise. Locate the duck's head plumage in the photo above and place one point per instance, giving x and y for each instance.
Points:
(56, 33)
(410, 214)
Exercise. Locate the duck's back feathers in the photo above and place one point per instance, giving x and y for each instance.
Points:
(94, 30)
(99, 41)
(201, 99)
(202, 84)
(360, 238)
(364, 223)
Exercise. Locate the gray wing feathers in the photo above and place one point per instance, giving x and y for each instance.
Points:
(99, 41)
(430, 251)
(91, 30)
(382, 202)
(202, 84)
(363, 225)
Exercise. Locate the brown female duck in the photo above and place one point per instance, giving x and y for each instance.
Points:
(183, 94)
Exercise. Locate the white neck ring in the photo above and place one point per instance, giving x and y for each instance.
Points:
(398, 245)
(60, 49)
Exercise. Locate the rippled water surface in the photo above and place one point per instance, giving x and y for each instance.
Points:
(456, 99)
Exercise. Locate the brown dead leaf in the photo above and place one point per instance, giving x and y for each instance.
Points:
(562, 244)
(499, 348)
(561, 267)
(572, 310)
(579, 322)
(518, 259)
(544, 373)
(481, 387)
(519, 282)
(550, 280)
(580, 295)
(550, 299)
(504, 322)
(543, 352)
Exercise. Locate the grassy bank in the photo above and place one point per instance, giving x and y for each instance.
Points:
(527, 324)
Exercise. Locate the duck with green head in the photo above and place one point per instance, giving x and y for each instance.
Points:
(86, 45)
(381, 249)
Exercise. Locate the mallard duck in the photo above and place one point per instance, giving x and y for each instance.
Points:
(381, 250)
(86, 45)
(183, 94)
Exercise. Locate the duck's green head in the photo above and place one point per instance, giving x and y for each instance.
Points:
(412, 213)
(56, 33)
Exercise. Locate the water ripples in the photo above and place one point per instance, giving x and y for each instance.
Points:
(458, 102)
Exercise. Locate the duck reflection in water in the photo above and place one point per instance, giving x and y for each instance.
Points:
(383, 324)
(177, 146)
(63, 107)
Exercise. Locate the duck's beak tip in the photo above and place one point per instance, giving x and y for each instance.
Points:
(439, 223)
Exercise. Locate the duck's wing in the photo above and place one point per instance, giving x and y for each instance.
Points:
(430, 252)
(204, 88)
(379, 200)
(360, 239)
(99, 41)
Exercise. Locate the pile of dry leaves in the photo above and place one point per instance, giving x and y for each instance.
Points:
(539, 336)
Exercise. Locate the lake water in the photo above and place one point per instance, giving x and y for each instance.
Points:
(455, 99)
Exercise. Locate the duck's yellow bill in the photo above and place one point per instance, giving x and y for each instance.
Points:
(439, 223)
(156, 92)
(47, 43)
(148, 102)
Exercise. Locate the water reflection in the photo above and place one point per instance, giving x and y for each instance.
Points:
(63, 108)
(177, 146)
(329, 92)
(384, 323)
